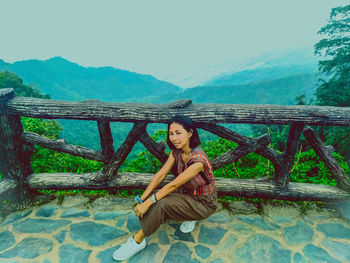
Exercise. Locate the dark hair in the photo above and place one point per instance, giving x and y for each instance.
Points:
(187, 123)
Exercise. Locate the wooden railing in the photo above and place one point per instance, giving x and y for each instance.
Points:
(16, 145)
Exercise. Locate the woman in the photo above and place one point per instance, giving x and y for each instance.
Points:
(190, 196)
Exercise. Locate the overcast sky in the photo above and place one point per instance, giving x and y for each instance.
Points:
(156, 37)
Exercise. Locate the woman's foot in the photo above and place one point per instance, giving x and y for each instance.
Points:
(187, 226)
(128, 249)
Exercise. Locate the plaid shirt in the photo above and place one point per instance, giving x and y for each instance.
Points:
(202, 183)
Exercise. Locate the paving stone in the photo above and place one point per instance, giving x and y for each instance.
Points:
(178, 253)
(133, 223)
(163, 237)
(94, 234)
(281, 214)
(6, 240)
(74, 212)
(259, 221)
(70, 253)
(240, 228)
(60, 236)
(298, 258)
(243, 207)
(178, 235)
(211, 236)
(47, 211)
(334, 230)
(202, 251)
(194, 260)
(265, 250)
(217, 260)
(106, 203)
(120, 222)
(317, 254)
(338, 249)
(221, 217)
(108, 215)
(14, 217)
(227, 244)
(145, 255)
(105, 256)
(298, 234)
(29, 247)
(75, 201)
(40, 225)
(317, 214)
(342, 207)
(46, 261)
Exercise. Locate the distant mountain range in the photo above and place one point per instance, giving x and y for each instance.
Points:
(64, 80)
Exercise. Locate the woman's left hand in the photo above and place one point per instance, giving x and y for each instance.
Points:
(141, 209)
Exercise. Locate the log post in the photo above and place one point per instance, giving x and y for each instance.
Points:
(282, 173)
(106, 138)
(326, 155)
(14, 159)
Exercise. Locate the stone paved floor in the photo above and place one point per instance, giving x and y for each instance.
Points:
(77, 230)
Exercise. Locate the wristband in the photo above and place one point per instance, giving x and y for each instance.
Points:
(154, 199)
(138, 199)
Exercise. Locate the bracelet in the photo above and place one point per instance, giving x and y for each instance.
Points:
(138, 199)
(154, 199)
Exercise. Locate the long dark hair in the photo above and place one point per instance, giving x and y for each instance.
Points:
(187, 123)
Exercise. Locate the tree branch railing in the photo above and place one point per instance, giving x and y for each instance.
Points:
(18, 175)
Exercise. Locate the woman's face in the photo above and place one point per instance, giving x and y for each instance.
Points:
(178, 136)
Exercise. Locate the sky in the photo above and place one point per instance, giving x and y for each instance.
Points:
(157, 37)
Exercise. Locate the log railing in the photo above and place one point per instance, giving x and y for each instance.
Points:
(16, 145)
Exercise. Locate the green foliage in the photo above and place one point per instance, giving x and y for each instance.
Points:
(48, 128)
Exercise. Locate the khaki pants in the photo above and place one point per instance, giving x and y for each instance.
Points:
(179, 207)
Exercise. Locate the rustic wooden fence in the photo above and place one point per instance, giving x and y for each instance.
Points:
(16, 145)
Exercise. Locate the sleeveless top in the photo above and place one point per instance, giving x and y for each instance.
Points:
(201, 184)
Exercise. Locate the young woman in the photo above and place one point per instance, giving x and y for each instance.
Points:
(189, 197)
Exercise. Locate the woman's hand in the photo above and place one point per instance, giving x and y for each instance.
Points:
(141, 209)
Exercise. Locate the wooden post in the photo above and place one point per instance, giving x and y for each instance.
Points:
(106, 138)
(14, 160)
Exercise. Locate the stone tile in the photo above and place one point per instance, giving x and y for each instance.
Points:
(317, 254)
(217, 260)
(318, 214)
(178, 235)
(163, 237)
(133, 223)
(202, 251)
(46, 261)
(40, 225)
(220, 217)
(69, 253)
(106, 256)
(227, 244)
(60, 236)
(29, 247)
(47, 211)
(265, 250)
(298, 234)
(281, 214)
(259, 221)
(146, 255)
(14, 217)
(298, 258)
(74, 212)
(211, 236)
(243, 207)
(338, 249)
(194, 260)
(334, 230)
(240, 228)
(178, 253)
(106, 203)
(94, 234)
(120, 222)
(109, 215)
(6, 240)
(342, 207)
(75, 201)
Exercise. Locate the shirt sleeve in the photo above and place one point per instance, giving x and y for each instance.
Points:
(202, 159)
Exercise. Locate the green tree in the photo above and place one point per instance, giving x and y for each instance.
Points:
(334, 69)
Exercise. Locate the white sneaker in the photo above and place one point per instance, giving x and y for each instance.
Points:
(128, 249)
(187, 226)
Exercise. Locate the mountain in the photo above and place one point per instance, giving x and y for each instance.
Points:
(65, 80)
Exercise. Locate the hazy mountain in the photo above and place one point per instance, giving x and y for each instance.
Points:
(65, 80)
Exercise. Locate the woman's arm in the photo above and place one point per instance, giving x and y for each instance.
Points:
(159, 176)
